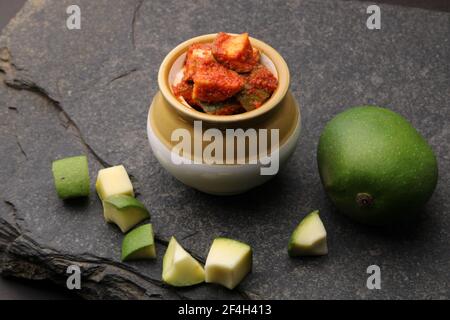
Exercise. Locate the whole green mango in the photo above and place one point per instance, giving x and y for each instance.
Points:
(375, 167)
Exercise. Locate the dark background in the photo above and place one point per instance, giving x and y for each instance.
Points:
(21, 289)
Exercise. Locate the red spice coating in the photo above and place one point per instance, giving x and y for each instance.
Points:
(197, 55)
(262, 78)
(184, 89)
(211, 82)
(214, 83)
(229, 110)
(235, 52)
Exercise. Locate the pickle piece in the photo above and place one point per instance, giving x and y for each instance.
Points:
(252, 98)
(221, 108)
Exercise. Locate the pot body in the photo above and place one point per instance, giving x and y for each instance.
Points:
(220, 179)
(168, 118)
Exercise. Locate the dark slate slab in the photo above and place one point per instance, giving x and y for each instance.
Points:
(88, 91)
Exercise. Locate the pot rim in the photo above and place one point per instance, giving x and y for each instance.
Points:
(190, 113)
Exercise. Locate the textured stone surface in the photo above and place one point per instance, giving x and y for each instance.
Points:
(88, 91)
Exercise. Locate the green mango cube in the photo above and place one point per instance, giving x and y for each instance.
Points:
(71, 176)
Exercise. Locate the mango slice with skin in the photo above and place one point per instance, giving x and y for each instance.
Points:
(125, 211)
(180, 269)
(139, 244)
(309, 237)
(71, 176)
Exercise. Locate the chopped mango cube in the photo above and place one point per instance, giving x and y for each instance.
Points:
(180, 269)
(228, 262)
(309, 238)
(71, 177)
(139, 244)
(125, 211)
(113, 181)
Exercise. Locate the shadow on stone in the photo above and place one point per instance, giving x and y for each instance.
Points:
(415, 227)
(250, 201)
(77, 204)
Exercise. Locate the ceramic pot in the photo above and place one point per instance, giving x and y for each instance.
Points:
(167, 116)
